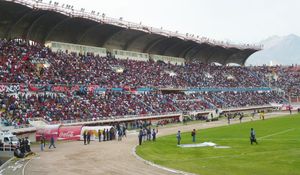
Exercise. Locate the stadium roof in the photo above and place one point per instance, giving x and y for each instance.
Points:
(41, 22)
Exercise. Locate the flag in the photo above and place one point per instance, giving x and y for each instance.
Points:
(25, 57)
(32, 88)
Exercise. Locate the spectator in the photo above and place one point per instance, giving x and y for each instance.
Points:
(18, 67)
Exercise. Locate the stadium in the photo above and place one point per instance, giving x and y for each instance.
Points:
(137, 92)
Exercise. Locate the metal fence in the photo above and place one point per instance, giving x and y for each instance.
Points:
(7, 148)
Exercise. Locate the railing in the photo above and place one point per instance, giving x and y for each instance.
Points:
(148, 116)
(39, 119)
(14, 88)
(7, 148)
(102, 18)
(246, 108)
(117, 118)
(16, 126)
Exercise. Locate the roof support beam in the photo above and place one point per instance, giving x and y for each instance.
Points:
(204, 50)
(212, 54)
(133, 39)
(149, 46)
(11, 28)
(185, 52)
(54, 27)
(112, 36)
(33, 25)
(171, 46)
(83, 35)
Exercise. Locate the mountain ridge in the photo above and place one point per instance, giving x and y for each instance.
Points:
(284, 50)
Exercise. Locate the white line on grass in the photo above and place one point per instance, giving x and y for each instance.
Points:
(228, 156)
(277, 133)
(133, 151)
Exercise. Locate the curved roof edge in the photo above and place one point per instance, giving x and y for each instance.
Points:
(38, 21)
(101, 18)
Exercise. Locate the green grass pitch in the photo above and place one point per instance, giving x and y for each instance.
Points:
(278, 151)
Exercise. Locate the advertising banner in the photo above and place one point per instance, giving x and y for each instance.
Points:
(69, 132)
(47, 131)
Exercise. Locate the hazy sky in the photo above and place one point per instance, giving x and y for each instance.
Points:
(240, 21)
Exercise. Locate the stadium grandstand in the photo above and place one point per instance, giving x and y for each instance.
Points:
(61, 64)
(67, 73)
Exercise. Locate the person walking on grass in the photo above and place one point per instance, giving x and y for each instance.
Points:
(194, 135)
(178, 136)
(252, 136)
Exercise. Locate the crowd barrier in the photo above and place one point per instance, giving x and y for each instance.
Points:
(64, 88)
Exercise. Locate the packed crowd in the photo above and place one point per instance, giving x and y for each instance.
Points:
(18, 59)
(18, 109)
(286, 78)
(237, 99)
(19, 64)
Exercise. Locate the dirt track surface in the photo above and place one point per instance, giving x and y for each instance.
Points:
(113, 157)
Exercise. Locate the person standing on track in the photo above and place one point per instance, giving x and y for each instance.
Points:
(42, 143)
(107, 135)
(104, 135)
(153, 135)
(44, 139)
(88, 137)
(124, 130)
(99, 135)
(120, 134)
(148, 130)
(140, 136)
(84, 137)
(144, 134)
